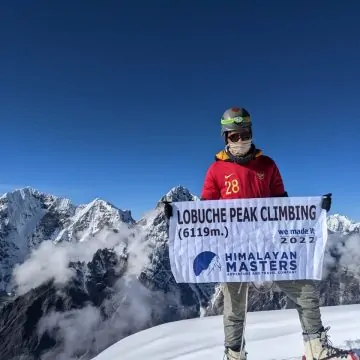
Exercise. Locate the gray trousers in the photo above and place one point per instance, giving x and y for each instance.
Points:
(303, 293)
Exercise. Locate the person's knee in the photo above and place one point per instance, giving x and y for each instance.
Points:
(309, 289)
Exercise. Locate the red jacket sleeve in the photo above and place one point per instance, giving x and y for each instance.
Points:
(210, 190)
(277, 185)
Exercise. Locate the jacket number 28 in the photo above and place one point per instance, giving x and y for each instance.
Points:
(232, 187)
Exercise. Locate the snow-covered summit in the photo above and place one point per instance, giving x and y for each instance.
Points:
(341, 223)
(91, 218)
(28, 217)
(179, 193)
(24, 214)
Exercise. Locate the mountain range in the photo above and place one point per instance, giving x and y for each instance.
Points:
(76, 278)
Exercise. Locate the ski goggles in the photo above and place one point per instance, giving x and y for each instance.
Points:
(243, 120)
(245, 134)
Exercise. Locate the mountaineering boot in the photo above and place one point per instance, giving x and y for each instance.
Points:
(318, 347)
(235, 355)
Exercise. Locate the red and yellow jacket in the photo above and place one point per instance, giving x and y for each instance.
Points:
(259, 178)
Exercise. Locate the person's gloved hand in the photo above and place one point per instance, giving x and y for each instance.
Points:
(326, 202)
(168, 209)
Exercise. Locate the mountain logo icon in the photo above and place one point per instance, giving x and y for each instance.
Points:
(206, 261)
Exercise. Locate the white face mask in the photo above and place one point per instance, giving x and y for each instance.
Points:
(239, 148)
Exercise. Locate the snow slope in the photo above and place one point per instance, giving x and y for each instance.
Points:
(270, 335)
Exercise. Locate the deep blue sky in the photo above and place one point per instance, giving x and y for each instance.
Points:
(122, 99)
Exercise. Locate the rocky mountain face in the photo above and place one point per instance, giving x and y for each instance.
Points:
(30, 325)
(28, 217)
(90, 275)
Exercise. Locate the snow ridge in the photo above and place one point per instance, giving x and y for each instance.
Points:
(179, 193)
(341, 223)
(28, 217)
(92, 218)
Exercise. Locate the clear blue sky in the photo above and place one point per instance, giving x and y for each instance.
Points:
(122, 99)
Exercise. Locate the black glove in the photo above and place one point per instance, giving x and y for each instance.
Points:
(285, 194)
(168, 209)
(326, 202)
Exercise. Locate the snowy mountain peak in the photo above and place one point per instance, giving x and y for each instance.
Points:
(28, 217)
(101, 205)
(92, 218)
(17, 194)
(341, 223)
(30, 197)
(179, 193)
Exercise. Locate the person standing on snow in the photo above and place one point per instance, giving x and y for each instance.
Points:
(242, 171)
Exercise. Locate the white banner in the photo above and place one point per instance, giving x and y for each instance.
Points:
(244, 240)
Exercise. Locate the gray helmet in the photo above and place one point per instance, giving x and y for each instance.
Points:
(235, 119)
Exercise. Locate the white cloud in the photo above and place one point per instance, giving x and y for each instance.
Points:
(50, 261)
